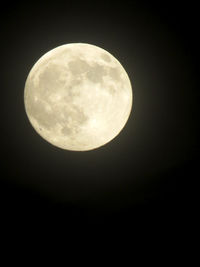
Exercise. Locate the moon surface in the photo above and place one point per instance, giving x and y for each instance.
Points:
(78, 97)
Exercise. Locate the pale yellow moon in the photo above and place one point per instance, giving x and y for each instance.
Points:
(78, 97)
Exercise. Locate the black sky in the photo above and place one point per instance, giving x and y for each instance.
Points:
(143, 175)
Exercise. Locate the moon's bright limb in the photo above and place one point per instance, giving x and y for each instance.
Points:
(78, 97)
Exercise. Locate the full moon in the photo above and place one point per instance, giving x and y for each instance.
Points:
(78, 97)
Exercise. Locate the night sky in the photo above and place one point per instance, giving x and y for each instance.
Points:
(144, 175)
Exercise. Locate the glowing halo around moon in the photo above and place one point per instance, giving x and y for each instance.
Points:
(78, 97)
